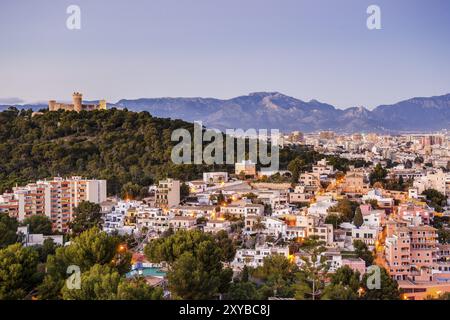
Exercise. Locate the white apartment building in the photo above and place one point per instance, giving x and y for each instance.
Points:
(309, 179)
(295, 232)
(323, 168)
(116, 219)
(320, 208)
(437, 179)
(215, 226)
(374, 218)
(274, 227)
(302, 193)
(55, 198)
(30, 239)
(368, 235)
(178, 223)
(255, 257)
(206, 211)
(215, 177)
(376, 194)
(153, 219)
(242, 210)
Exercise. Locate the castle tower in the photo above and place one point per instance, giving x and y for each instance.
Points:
(52, 105)
(77, 101)
(102, 105)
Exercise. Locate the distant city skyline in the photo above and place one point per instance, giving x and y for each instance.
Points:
(209, 48)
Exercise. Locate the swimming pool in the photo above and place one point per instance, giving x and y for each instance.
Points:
(147, 272)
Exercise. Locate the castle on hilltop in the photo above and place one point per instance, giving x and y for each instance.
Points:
(77, 104)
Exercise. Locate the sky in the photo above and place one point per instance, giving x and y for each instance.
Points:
(308, 49)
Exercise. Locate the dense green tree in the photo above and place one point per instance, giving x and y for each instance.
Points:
(443, 235)
(344, 285)
(170, 248)
(358, 218)
(98, 283)
(363, 252)
(197, 277)
(435, 199)
(333, 219)
(228, 248)
(131, 191)
(102, 282)
(184, 191)
(196, 263)
(346, 208)
(378, 175)
(278, 275)
(245, 275)
(296, 167)
(138, 289)
(8, 230)
(88, 249)
(38, 224)
(86, 216)
(388, 289)
(46, 249)
(243, 291)
(18, 271)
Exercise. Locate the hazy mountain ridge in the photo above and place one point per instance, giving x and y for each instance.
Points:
(275, 110)
(278, 111)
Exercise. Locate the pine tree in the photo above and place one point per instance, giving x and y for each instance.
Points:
(358, 219)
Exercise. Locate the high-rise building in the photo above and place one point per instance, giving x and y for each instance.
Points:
(55, 199)
(409, 250)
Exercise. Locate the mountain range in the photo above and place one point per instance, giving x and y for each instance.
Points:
(273, 110)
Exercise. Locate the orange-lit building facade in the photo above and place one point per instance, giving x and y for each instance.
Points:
(410, 250)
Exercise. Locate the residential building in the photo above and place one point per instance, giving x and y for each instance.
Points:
(255, 257)
(30, 239)
(55, 199)
(167, 194)
(215, 177)
(178, 222)
(215, 226)
(246, 166)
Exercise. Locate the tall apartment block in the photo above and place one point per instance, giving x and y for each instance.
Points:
(167, 193)
(55, 199)
(411, 251)
(77, 104)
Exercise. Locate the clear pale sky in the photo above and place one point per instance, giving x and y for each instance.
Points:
(309, 49)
